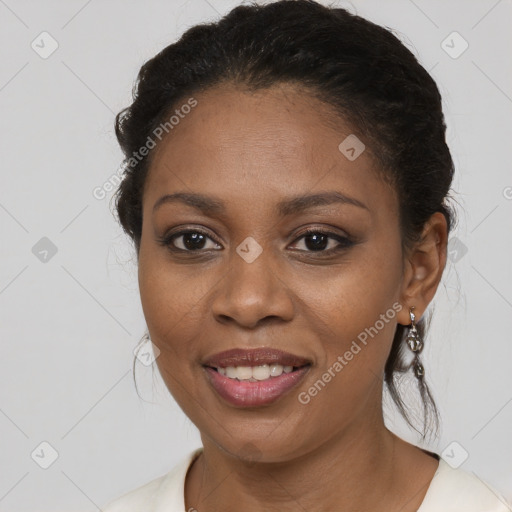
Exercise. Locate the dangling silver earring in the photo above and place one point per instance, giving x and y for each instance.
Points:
(415, 343)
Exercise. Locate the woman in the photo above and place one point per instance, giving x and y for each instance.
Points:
(286, 189)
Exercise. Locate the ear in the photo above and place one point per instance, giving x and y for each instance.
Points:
(423, 268)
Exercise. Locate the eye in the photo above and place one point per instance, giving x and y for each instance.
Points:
(317, 240)
(187, 241)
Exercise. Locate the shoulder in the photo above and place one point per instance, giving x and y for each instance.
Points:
(137, 499)
(456, 490)
(167, 490)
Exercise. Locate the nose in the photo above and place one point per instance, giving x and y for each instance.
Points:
(253, 293)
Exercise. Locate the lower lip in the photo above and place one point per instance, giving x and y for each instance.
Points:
(254, 394)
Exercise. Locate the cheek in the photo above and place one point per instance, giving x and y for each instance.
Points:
(355, 341)
(353, 309)
(168, 291)
(170, 302)
(352, 296)
(170, 297)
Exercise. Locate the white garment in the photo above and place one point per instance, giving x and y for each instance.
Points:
(451, 490)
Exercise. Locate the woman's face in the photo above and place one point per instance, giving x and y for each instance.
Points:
(255, 279)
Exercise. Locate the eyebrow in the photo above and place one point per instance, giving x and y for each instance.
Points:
(211, 206)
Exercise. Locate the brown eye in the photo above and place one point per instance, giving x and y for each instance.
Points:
(187, 241)
(326, 242)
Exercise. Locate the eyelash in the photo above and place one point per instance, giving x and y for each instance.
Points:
(344, 242)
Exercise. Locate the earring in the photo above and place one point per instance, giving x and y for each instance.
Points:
(415, 343)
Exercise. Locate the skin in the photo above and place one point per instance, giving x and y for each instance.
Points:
(251, 151)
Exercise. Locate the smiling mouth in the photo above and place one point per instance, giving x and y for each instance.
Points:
(256, 373)
(256, 387)
(254, 377)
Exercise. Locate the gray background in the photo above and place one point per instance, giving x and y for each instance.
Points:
(71, 320)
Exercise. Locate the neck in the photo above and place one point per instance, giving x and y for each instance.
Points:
(353, 471)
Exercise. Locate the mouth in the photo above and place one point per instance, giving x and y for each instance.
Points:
(255, 373)
(253, 378)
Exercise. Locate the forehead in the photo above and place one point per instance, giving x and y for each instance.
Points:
(261, 144)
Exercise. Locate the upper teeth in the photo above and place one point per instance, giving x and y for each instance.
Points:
(254, 373)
